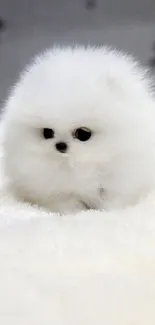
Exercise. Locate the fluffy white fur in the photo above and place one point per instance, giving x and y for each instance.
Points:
(90, 268)
(93, 267)
(65, 89)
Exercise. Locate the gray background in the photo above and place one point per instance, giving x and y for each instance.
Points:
(32, 25)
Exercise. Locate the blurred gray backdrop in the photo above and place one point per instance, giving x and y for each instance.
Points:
(32, 25)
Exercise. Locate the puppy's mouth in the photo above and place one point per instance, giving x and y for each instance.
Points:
(63, 155)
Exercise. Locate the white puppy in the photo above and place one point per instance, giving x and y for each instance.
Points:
(80, 131)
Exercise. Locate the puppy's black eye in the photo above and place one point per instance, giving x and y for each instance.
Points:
(82, 134)
(48, 133)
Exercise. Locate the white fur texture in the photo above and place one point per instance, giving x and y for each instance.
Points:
(95, 268)
(65, 89)
(92, 268)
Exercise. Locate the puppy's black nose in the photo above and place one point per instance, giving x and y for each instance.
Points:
(61, 146)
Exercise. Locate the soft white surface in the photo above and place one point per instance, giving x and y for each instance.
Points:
(93, 268)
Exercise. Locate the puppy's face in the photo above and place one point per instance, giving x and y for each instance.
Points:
(67, 126)
(57, 148)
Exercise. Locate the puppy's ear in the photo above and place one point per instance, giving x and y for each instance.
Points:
(111, 83)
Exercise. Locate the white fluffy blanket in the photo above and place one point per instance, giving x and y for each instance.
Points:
(94, 268)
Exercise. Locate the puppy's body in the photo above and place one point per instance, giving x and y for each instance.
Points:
(104, 93)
